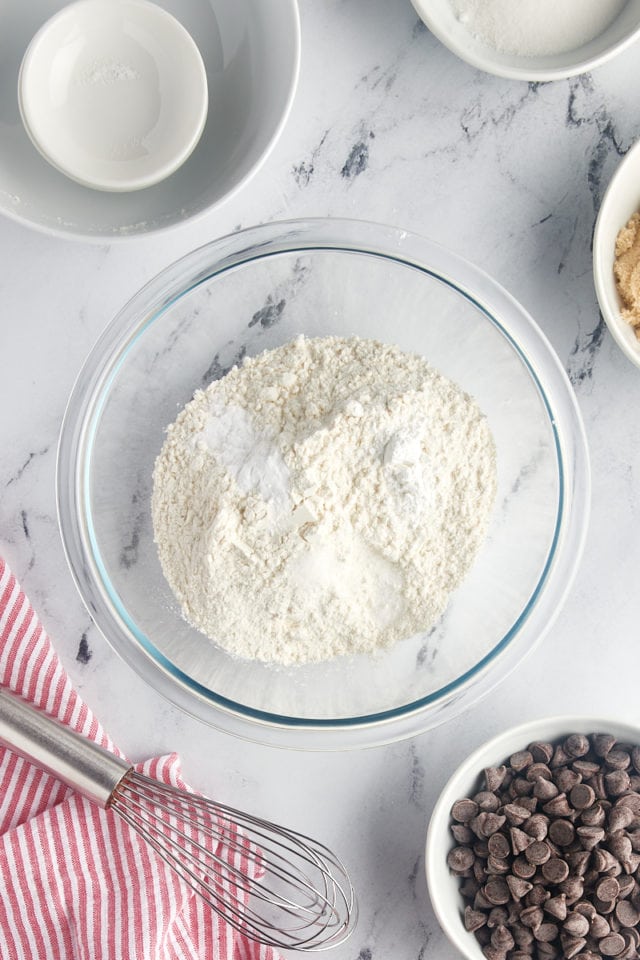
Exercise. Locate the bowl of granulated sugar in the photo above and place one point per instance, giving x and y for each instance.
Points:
(533, 40)
(323, 484)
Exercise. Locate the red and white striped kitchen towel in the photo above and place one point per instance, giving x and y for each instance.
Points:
(75, 882)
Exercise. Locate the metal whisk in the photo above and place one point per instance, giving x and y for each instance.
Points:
(274, 885)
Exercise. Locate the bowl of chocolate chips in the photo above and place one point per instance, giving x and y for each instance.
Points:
(533, 847)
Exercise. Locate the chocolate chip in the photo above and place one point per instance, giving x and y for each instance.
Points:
(519, 840)
(631, 800)
(498, 845)
(604, 907)
(604, 862)
(491, 952)
(581, 796)
(557, 906)
(494, 777)
(519, 888)
(616, 782)
(560, 758)
(461, 858)
(496, 891)
(537, 826)
(586, 908)
(602, 743)
(618, 759)
(546, 932)
(523, 869)
(620, 846)
(567, 779)
(520, 788)
(599, 927)
(577, 745)
(474, 919)
(627, 886)
(562, 832)
(539, 771)
(558, 806)
(462, 833)
(502, 938)
(538, 853)
(594, 816)
(498, 916)
(590, 836)
(486, 823)
(619, 818)
(464, 810)
(532, 917)
(586, 768)
(496, 865)
(578, 861)
(627, 914)
(573, 888)
(571, 946)
(612, 945)
(515, 814)
(541, 751)
(545, 789)
(486, 801)
(520, 760)
(555, 870)
(608, 888)
(537, 896)
(576, 925)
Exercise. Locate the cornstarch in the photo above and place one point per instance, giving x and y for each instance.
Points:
(535, 28)
(323, 498)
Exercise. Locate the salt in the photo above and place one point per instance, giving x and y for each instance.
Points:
(536, 28)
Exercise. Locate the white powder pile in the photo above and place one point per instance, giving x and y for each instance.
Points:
(324, 498)
(531, 28)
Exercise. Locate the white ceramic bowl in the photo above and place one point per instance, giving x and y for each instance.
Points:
(443, 888)
(113, 93)
(440, 18)
(620, 202)
(251, 52)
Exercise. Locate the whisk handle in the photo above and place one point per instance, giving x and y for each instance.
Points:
(68, 756)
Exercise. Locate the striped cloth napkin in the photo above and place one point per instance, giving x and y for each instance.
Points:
(76, 883)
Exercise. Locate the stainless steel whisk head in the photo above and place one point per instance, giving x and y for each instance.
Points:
(274, 885)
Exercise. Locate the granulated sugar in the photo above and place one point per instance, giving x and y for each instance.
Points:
(324, 498)
(531, 28)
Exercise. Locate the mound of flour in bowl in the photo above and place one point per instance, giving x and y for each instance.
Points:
(323, 498)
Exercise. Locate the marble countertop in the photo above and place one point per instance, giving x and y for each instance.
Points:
(387, 125)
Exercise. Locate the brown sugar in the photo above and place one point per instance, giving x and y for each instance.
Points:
(626, 270)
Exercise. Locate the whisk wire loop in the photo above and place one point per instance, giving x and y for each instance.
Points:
(275, 885)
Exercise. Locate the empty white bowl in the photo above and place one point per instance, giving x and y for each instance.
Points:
(440, 17)
(113, 93)
(620, 202)
(444, 889)
(251, 53)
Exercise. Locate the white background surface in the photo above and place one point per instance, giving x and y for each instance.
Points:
(387, 125)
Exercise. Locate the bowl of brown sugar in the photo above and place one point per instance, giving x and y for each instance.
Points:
(616, 255)
(533, 848)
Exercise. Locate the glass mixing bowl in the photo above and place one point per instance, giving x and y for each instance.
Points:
(254, 290)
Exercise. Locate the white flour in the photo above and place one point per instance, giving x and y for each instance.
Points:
(537, 27)
(324, 498)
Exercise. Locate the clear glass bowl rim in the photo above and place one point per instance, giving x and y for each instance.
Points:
(338, 235)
